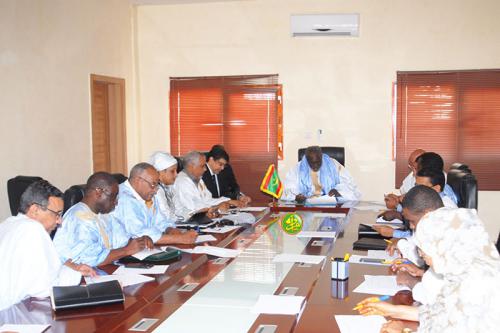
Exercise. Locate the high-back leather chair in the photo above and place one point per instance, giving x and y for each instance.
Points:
(73, 195)
(120, 178)
(337, 153)
(180, 164)
(16, 187)
(464, 184)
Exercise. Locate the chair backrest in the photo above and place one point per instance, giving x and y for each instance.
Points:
(464, 184)
(16, 187)
(460, 166)
(337, 153)
(120, 178)
(180, 164)
(73, 195)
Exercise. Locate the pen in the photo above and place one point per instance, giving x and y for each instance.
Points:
(387, 241)
(347, 256)
(372, 300)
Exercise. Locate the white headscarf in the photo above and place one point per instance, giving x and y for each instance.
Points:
(161, 160)
(461, 252)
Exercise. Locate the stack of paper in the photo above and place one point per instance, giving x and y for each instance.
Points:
(157, 269)
(322, 200)
(205, 238)
(252, 209)
(146, 253)
(307, 259)
(357, 324)
(316, 234)
(125, 279)
(273, 304)
(395, 221)
(222, 230)
(379, 285)
(23, 328)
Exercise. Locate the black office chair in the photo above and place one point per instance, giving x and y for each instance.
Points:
(460, 166)
(180, 164)
(120, 178)
(498, 243)
(337, 153)
(464, 184)
(73, 195)
(16, 187)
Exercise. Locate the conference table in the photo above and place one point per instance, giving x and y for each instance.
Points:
(225, 291)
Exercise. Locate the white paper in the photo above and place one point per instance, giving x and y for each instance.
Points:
(316, 234)
(331, 215)
(273, 304)
(322, 200)
(395, 221)
(379, 285)
(356, 259)
(146, 253)
(253, 209)
(157, 269)
(205, 238)
(393, 226)
(381, 254)
(23, 328)
(370, 207)
(357, 323)
(216, 251)
(305, 258)
(125, 280)
(222, 230)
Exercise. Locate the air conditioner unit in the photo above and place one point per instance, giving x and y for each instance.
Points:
(325, 25)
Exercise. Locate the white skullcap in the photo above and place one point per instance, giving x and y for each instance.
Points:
(161, 160)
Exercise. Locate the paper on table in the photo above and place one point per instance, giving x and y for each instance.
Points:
(322, 200)
(370, 207)
(31, 328)
(222, 230)
(305, 258)
(217, 251)
(273, 304)
(395, 221)
(356, 259)
(146, 253)
(252, 209)
(157, 269)
(381, 254)
(332, 215)
(205, 238)
(316, 234)
(356, 323)
(393, 226)
(379, 285)
(125, 280)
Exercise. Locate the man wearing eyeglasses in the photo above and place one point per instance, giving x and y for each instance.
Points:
(30, 265)
(87, 233)
(138, 209)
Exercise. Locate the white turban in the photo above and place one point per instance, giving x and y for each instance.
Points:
(161, 160)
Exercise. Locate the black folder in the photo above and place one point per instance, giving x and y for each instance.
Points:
(88, 295)
(369, 244)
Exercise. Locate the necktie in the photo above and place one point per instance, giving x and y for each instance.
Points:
(214, 179)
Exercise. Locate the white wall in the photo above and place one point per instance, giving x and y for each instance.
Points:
(339, 85)
(48, 49)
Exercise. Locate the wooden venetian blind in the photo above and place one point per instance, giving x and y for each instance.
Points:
(455, 114)
(239, 112)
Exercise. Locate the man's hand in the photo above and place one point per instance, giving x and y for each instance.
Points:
(393, 246)
(188, 237)
(391, 200)
(334, 193)
(85, 270)
(245, 199)
(390, 215)
(237, 203)
(393, 326)
(368, 308)
(300, 198)
(224, 206)
(135, 245)
(213, 212)
(411, 269)
(384, 230)
(406, 279)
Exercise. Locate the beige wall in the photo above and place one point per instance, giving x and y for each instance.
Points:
(339, 85)
(47, 51)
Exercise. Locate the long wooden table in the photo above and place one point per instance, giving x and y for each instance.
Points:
(161, 298)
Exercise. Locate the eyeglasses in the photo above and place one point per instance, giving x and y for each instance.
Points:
(153, 186)
(107, 192)
(58, 214)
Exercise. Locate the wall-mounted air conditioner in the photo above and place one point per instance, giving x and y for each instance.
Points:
(325, 25)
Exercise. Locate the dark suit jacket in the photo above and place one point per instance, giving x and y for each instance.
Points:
(227, 183)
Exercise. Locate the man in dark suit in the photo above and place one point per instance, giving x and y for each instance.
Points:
(219, 176)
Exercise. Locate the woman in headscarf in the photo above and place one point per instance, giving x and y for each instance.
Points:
(454, 243)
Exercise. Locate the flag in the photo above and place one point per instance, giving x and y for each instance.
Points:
(271, 184)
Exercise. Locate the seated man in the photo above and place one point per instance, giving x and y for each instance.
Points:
(87, 234)
(30, 265)
(219, 176)
(392, 200)
(138, 209)
(317, 174)
(191, 192)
